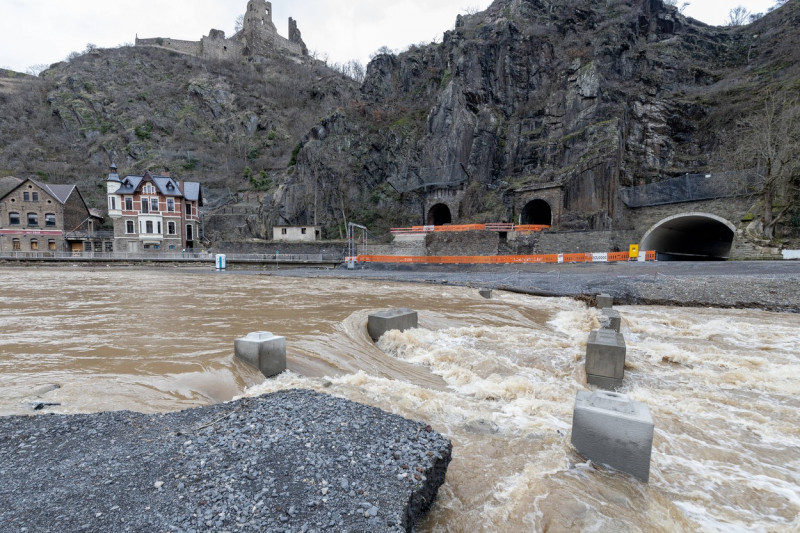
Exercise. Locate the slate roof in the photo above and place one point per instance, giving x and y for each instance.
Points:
(60, 192)
(166, 185)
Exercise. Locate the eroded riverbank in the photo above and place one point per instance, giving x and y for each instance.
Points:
(496, 377)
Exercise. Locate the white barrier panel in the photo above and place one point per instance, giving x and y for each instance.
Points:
(599, 257)
(560, 258)
(791, 254)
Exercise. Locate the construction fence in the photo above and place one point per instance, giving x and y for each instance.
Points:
(604, 257)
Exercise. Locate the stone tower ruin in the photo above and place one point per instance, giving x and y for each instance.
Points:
(257, 38)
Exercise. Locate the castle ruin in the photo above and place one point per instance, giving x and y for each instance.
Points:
(257, 38)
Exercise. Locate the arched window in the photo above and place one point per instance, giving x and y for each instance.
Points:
(50, 219)
(33, 219)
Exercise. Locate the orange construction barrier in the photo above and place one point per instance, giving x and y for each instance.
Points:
(495, 259)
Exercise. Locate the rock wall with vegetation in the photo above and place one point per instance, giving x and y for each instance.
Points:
(586, 97)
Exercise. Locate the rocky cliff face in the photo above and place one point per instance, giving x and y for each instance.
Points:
(230, 125)
(566, 100)
(582, 96)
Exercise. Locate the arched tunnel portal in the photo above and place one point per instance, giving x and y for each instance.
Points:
(537, 212)
(438, 215)
(691, 237)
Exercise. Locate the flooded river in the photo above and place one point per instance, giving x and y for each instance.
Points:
(498, 377)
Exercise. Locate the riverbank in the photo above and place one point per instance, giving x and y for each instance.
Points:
(766, 285)
(290, 461)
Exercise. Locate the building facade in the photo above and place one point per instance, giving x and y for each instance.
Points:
(154, 213)
(296, 233)
(41, 217)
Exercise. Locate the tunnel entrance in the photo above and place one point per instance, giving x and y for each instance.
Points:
(537, 212)
(690, 237)
(439, 215)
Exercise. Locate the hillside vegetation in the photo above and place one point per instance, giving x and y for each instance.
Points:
(585, 96)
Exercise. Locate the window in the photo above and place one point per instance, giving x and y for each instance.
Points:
(13, 219)
(26, 196)
(170, 205)
(51, 245)
(148, 226)
(112, 203)
(283, 231)
(109, 246)
(189, 232)
(33, 219)
(145, 205)
(303, 231)
(15, 244)
(34, 244)
(98, 246)
(35, 196)
(149, 189)
(170, 228)
(188, 209)
(158, 228)
(129, 227)
(128, 203)
(87, 247)
(154, 205)
(50, 219)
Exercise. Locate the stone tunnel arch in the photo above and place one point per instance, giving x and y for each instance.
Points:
(439, 215)
(691, 237)
(537, 212)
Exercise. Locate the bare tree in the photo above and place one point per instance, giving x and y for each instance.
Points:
(238, 24)
(770, 141)
(738, 16)
(35, 70)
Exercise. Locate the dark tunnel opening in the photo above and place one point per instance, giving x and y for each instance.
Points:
(439, 215)
(537, 212)
(690, 237)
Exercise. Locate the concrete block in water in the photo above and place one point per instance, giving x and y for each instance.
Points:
(263, 350)
(604, 300)
(486, 293)
(613, 318)
(381, 322)
(611, 429)
(605, 358)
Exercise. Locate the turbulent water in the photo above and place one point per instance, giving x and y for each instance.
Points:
(498, 377)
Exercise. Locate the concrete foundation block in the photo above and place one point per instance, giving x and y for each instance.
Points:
(263, 350)
(611, 429)
(602, 382)
(486, 293)
(604, 301)
(613, 319)
(605, 356)
(381, 322)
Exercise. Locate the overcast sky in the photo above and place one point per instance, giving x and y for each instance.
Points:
(34, 32)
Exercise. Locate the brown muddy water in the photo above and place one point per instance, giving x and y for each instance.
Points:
(498, 377)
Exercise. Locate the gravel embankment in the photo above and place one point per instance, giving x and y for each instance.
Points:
(768, 285)
(294, 461)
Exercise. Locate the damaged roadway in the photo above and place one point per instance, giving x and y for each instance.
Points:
(294, 461)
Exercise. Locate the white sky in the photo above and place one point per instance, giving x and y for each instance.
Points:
(36, 32)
